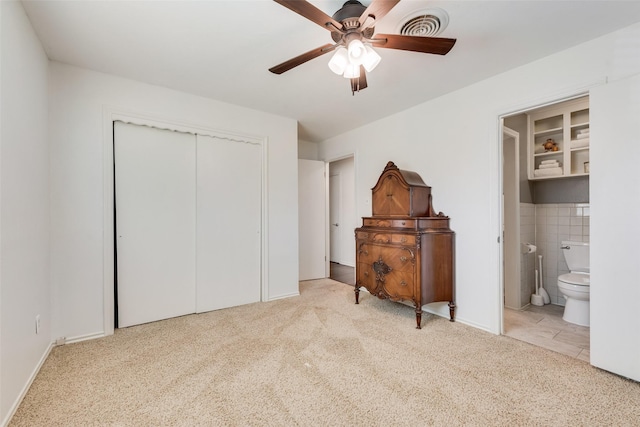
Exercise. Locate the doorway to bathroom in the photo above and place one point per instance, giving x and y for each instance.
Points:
(545, 202)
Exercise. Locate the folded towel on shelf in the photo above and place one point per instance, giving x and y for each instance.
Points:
(548, 162)
(548, 172)
(583, 130)
(550, 165)
(580, 143)
(582, 135)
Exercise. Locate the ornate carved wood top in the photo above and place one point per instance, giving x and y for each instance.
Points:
(401, 193)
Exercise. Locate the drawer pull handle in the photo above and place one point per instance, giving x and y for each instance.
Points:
(403, 222)
(403, 283)
(403, 240)
(403, 258)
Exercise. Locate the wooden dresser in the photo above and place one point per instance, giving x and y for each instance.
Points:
(405, 251)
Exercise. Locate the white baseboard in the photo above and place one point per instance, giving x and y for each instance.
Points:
(86, 337)
(33, 375)
(293, 294)
(26, 387)
(475, 325)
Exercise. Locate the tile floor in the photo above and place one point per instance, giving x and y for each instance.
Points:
(343, 273)
(544, 327)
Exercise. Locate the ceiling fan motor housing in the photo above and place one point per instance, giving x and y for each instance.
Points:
(348, 15)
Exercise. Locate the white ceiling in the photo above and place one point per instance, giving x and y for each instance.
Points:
(222, 49)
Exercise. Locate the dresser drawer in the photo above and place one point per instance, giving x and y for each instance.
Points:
(365, 276)
(389, 223)
(399, 285)
(403, 239)
(385, 238)
(399, 239)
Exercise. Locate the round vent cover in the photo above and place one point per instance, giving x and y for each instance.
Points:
(425, 23)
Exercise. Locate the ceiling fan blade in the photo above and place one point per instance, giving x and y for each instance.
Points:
(301, 59)
(359, 83)
(311, 12)
(377, 9)
(437, 45)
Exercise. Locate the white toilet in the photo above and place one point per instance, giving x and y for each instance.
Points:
(574, 286)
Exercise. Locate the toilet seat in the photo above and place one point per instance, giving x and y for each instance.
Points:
(578, 279)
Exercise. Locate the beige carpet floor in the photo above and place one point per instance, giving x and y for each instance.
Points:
(320, 360)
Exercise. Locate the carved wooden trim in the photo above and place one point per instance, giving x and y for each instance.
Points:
(381, 269)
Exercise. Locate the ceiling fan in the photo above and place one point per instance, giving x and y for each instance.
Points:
(352, 30)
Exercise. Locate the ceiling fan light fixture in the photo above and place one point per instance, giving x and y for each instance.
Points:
(339, 61)
(371, 59)
(357, 52)
(352, 71)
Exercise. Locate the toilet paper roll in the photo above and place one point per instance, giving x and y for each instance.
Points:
(528, 248)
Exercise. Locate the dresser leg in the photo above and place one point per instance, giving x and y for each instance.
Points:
(357, 291)
(419, 317)
(452, 309)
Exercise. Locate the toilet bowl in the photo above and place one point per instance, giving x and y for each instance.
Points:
(575, 286)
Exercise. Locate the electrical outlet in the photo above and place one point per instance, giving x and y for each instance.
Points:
(37, 324)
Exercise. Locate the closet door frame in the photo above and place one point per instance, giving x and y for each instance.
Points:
(110, 115)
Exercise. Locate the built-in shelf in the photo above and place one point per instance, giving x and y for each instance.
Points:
(548, 132)
(559, 124)
(548, 153)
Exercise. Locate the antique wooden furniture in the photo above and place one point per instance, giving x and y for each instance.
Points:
(405, 251)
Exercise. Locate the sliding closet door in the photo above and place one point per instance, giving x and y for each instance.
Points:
(229, 223)
(155, 186)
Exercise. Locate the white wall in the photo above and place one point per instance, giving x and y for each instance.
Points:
(307, 150)
(77, 99)
(452, 142)
(24, 206)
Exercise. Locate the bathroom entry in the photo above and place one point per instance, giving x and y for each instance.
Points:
(546, 203)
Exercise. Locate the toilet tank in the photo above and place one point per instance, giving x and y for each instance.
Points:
(576, 254)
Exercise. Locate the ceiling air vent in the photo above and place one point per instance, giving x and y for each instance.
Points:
(425, 23)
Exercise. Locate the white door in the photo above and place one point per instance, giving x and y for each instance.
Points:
(155, 184)
(229, 223)
(335, 234)
(615, 228)
(311, 219)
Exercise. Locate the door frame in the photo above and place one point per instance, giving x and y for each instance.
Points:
(111, 114)
(499, 115)
(338, 233)
(345, 155)
(512, 240)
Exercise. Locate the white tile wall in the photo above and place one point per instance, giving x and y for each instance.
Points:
(555, 223)
(546, 226)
